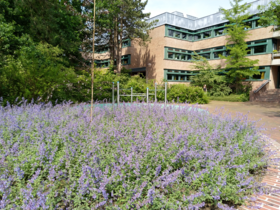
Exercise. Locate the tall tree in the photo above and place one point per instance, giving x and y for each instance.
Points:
(270, 14)
(236, 61)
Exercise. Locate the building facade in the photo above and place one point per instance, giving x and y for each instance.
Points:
(176, 36)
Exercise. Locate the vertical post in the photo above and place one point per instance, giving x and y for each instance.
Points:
(113, 93)
(118, 93)
(155, 92)
(131, 94)
(165, 94)
(147, 95)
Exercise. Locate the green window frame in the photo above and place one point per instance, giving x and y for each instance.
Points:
(126, 60)
(173, 75)
(264, 74)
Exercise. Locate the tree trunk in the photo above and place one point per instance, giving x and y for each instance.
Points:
(119, 67)
(112, 51)
(116, 41)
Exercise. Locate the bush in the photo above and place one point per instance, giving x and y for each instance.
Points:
(186, 94)
(136, 156)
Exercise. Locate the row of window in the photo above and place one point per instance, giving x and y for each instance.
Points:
(126, 43)
(254, 48)
(185, 76)
(126, 59)
(209, 32)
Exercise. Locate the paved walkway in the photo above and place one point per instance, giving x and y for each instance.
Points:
(268, 117)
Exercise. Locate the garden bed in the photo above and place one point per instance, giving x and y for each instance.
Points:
(132, 157)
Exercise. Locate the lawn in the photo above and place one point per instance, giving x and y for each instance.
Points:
(132, 157)
(230, 98)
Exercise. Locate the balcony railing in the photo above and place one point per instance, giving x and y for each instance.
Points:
(275, 55)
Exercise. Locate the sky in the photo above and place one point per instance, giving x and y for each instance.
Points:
(197, 8)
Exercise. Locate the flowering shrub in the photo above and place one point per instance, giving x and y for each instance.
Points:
(148, 157)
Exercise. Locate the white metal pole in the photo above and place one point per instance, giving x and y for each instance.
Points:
(118, 93)
(147, 95)
(131, 94)
(155, 92)
(165, 93)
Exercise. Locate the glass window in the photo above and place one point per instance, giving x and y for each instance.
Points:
(178, 34)
(184, 36)
(199, 36)
(177, 56)
(177, 50)
(260, 76)
(219, 32)
(249, 50)
(260, 49)
(248, 25)
(125, 61)
(207, 34)
(170, 49)
(205, 50)
(261, 67)
(195, 37)
(189, 57)
(170, 32)
(175, 77)
(169, 70)
(206, 55)
(216, 54)
(177, 71)
(183, 51)
(182, 78)
(190, 37)
(183, 57)
(170, 55)
(260, 41)
(188, 78)
(227, 53)
(169, 77)
(219, 48)
(258, 24)
(125, 44)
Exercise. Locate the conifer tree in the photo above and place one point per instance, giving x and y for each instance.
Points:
(270, 14)
(237, 63)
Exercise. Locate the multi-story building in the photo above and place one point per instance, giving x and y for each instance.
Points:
(176, 36)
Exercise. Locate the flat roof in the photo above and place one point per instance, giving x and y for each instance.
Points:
(199, 23)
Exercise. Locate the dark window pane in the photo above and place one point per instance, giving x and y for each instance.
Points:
(248, 25)
(170, 55)
(184, 36)
(170, 33)
(170, 49)
(169, 70)
(216, 54)
(260, 49)
(169, 77)
(190, 37)
(177, 50)
(195, 37)
(199, 36)
(177, 56)
(218, 48)
(206, 55)
(249, 51)
(260, 76)
(183, 57)
(175, 77)
(207, 34)
(261, 67)
(219, 32)
(182, 78)
(189, 57)
(177, 71)
(260, 41)
(188, 78)
(178, 34)
(206, 50)
(258, 24)
(183, 51)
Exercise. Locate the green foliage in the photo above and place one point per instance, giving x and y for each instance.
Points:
(270, 14)
(216, 83)
(183, 93)
(35, 72)
(230, 98)
(238, 64)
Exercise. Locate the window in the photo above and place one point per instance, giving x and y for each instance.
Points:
(195, 37)
(177, 56)
(183, 51)
(183, 57)
(219, 32)
(248, 25)
(207, 34)
(199, 36)
(183, 78)
(169, 77)
(258, 24)
(184, 36)
(178, 34)
(177, 50)
(125, 44)
(175, 77)
(190, 37)
(260, 41)
(260, 49)
(249, 50)
(170, 49)
(170, 33)
(206, 55)
(219, 48)
(205, 50)
(260, 76)
(216, 54)
(189, 57)
(170, 55)
(170, 71)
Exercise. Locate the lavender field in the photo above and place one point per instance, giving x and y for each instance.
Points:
(134, 157)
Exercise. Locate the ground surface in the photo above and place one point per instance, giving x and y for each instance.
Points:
(267, 115)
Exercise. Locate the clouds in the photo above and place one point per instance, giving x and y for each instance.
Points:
(197, 8)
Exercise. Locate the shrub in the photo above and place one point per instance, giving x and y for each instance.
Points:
(133, 157)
